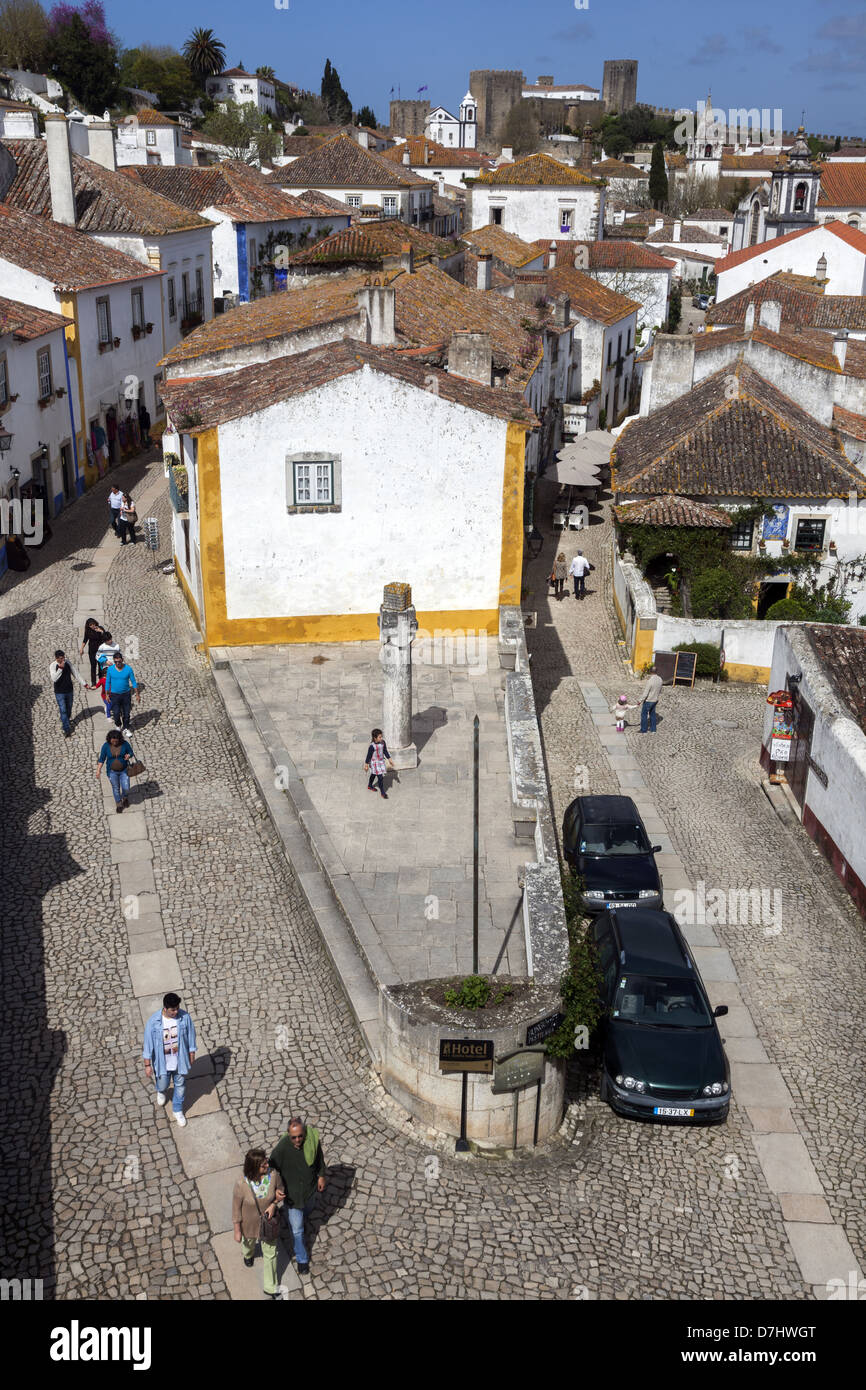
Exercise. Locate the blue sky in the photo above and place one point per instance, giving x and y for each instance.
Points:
(792, 55)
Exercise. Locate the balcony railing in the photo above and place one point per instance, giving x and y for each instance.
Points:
(192, 313)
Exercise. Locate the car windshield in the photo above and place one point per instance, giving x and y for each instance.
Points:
(621, 838)
(650, 1000)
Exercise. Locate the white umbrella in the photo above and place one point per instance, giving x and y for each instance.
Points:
(580, 463)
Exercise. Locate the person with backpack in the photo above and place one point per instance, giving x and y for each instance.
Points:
(94, 637)
(300, 1163)
(62, 674)
(579, 569)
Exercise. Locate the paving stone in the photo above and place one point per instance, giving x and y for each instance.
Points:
(786, 1164)
(803, 1206)
(759, 1085)
(771, 1120)
(215, 1191)
(155, 970)
(822, 1252)
(207, 1144)
(246, 1284)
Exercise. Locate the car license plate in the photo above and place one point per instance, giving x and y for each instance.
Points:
(620, 905)
(676, 1111)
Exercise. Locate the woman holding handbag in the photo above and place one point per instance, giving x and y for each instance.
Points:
(128, 518)
(254, 1215)
(119, 760)
(559, 574)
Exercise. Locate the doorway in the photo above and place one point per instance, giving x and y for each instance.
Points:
(773, 591)
(66, 472)
(797, 770)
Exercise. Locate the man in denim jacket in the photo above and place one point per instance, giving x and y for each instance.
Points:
(169, 1052)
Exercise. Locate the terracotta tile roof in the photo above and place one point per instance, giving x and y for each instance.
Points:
(839, 229)
(147, 116)
(607, 255)
(672, 511)
(847, 152)
(25, 323)
(706, 342)
(537, 170)
(681, 248)
(301, 144)
(236, 72)
(688, 235)
(849, 423)
(321, 204)
(105, 200)
(368, 243)
(274, 316)
(842, 653)
(343, 163)
(843, 186)
(234, 395)
(237, 189)
(710, 215)
(505, 246)
(617, 169)
(66, 257)
(801, 307)
(590, 298)
(810, 283)
(757, 444)
(743, 163)
(440, 156)
(6, 105)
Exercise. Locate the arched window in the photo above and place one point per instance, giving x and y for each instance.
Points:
(800, 197)
(756, 217)
(854, 221)
(708, 151)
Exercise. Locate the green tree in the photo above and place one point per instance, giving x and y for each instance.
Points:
(675, 309)
(615, 138)
(837, 144)
(335, 98)
(658, 179)
(267, 73)
(162, 71)
(521, 130)
(366, 116)
(205, 54)
(81, 54)
(23, 34)
(244, 131)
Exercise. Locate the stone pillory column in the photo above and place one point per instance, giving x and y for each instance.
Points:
(397, 627)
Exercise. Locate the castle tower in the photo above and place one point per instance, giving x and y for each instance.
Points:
(619, 87)
(495, 94)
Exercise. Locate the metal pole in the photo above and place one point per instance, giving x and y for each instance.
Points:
(537, 1110)
(475, 849)
(462, 1145)
(516, 1107)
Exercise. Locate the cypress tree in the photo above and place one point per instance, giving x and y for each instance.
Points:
(658, 179)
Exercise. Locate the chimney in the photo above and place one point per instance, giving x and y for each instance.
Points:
(658, 224)
(750, 318)
(840, 348)
(586, 149)
(771, 315)
(376, 304)
(821, 269)
(485, 270)
(673, 368)
(545, 81)
(678, 230)
(407, 258)
(60, 169)
(406, 159)
(470, 355)
(100, 138)
(363, 139)
(551, 256)
(441, 185)
(507, 155)
(428, 153)
(562, 311)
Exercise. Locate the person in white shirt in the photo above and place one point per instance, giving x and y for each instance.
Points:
(649, 698)
(579, 569)
(62, 675)
(115, 502)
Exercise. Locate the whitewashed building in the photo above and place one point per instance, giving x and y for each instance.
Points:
(149, 137)
(243, 88)
(454, 132)
(539, 197)
(334, 473)
(834, 252)
(368, 183)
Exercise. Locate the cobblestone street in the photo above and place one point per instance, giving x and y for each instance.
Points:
(95, 1198)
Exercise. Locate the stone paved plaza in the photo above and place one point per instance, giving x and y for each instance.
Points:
(412, 858)
(97, 1196)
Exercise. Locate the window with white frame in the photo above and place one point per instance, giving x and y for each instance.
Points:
(150, 137)
(313, 482)
(353, 200)
(389, 204)
(138, 308)
(43, 363)
(566, 218)
(810, 533)
(103, 319)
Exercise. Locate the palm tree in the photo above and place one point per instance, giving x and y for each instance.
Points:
(267, 73)
(204, 54)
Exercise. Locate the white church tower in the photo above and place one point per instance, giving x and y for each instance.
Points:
(468, 122)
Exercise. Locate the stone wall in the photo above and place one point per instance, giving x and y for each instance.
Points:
(619, 85)
(408, 117)
(495, 93)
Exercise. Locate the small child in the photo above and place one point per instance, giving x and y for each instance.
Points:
(102, 667)
(618, 712)
(377, 757)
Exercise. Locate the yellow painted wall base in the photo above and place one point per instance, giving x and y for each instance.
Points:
(644, 642)
(338, 627)
(756, 675)
(187, 593)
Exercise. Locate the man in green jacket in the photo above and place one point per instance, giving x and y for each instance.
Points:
(299, 1160)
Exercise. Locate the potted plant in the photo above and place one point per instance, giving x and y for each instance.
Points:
(137, 330)
(762, 545)
(832, 547)
(117, 342)
(148, 328)
(60, 391)
(103, 347)
(786, 544)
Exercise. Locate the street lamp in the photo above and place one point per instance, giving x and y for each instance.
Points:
(5, 441)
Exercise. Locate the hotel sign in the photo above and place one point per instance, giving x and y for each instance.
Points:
(466, 1054)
